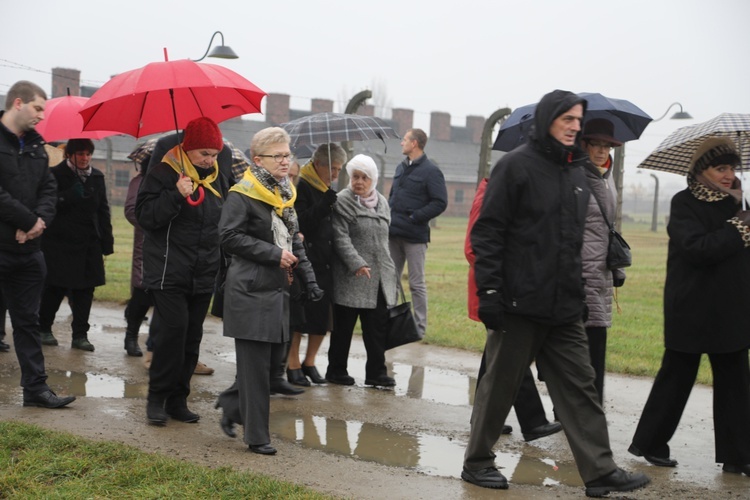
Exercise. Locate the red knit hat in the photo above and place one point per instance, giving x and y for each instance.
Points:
(202, 133)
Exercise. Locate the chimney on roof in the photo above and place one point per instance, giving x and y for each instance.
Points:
(366, 110)
(403, 119)
(321, 106)
(64, 79)
(440, 126)
(277, 108)
(475, 125)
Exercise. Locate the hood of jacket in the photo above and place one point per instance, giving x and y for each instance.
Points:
(549, 108)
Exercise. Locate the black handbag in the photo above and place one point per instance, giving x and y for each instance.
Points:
(402, 329)
(618, 250)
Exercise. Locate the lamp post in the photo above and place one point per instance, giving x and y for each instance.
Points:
(221, 51)
(655, 212)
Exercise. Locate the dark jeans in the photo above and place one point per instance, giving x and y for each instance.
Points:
(80, 304)
(22, 280)
(180, 317)
(374, 328)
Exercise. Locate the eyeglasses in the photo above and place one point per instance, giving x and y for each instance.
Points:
(279, 158)
(601, 145)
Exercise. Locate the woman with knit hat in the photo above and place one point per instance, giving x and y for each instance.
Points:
(180, 261)
(364, 274)
(706, 295)
(259, 230)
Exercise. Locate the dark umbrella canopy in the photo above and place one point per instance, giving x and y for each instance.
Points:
(628, 119)
(321, 128)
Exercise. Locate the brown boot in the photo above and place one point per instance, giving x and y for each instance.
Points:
(201, 369)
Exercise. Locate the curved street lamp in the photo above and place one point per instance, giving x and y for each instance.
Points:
(680, 115)
(221, 51)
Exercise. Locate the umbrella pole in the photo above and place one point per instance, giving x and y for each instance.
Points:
(330, 167)
(201, 194)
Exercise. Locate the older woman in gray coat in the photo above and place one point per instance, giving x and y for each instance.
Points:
(597, 141)
(258, 228)
(364, 274)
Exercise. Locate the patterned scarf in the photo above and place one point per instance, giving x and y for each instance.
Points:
(177, 159)
(309, 173)
(82, 173)
(258, 183)
(705, 190)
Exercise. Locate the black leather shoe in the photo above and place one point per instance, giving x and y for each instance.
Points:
(653, 459)
(183, 415)
(543, 430)
(617, 480)
(296, 377)
(227, 426)
(155, 413)
(4, 347)
(737, 468)
(131, 346)
(83, 344)
(262, 449)
(507, 429)
(381, 381)
(486, 478)
(313, 374)
(48, 338)
(281, 386)
(340, 379)
(47, 399)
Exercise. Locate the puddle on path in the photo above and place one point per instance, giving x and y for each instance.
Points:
(425, 453)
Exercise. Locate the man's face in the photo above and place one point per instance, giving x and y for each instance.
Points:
(30, 113)
(408, 144)
(565, 128)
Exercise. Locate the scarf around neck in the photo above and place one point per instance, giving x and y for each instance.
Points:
(82, 173)
(177, 159)
(257, 183)
(310, 175)
(705, 190)
(370, 201)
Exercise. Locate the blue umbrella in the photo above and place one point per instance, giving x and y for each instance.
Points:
(629, 120)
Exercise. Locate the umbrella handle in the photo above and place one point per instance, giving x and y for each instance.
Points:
(201, 196)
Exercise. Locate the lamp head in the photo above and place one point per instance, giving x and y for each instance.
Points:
(681, 115)
(223, 52)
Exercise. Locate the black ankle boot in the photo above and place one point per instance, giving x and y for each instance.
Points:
(155, 413)
(131, 346)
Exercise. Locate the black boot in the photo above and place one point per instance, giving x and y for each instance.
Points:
(131, 346)
(155, 413)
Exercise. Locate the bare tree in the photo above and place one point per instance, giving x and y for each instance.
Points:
(380, 98)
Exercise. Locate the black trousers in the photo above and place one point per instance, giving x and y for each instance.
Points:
(22, 281)
(597, 336)
(670, 393)
(80, 304)
(374, 328)
(177, 344)
(528, 404)
(137, 308)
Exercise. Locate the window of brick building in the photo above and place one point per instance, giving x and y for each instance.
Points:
(122, 178)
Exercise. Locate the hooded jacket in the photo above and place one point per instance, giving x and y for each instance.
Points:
(528, 237)
(27, 189)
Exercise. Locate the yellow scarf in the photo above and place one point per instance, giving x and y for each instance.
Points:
(173, 159)
(251, 187)
(311, 176)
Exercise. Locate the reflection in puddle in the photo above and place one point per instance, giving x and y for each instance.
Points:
(426, 453)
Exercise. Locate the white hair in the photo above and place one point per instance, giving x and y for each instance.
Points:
(365, 164)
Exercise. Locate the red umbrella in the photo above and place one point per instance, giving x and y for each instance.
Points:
(62, 121)
(167, 95)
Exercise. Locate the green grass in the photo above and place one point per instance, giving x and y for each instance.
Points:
(635, 342)
(36, 463)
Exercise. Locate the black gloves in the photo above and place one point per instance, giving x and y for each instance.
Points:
(330, 196)
(314, 293)
(618, 282)
(491, 310)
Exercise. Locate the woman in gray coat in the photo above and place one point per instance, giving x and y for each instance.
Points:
(597, 141)
(364, 274)
(259, 229)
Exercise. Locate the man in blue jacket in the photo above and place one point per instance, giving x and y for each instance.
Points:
(28, 196)
(418, 195)
(527, 243)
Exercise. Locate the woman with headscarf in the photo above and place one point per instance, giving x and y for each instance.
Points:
(75, 243)
(179, 206)
(259, 230)
(314, 206)
(706, 295)
(364, 273)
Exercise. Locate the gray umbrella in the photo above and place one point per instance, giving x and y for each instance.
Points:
(674, 153)
(321, 128)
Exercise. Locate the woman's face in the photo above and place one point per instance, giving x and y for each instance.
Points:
(81, 159)
(276, 159)
(203, 158)
(361, 184)
(723, 175)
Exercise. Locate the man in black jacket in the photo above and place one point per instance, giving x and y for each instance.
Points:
(28, 195)
(418, 195)
(527, 243)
